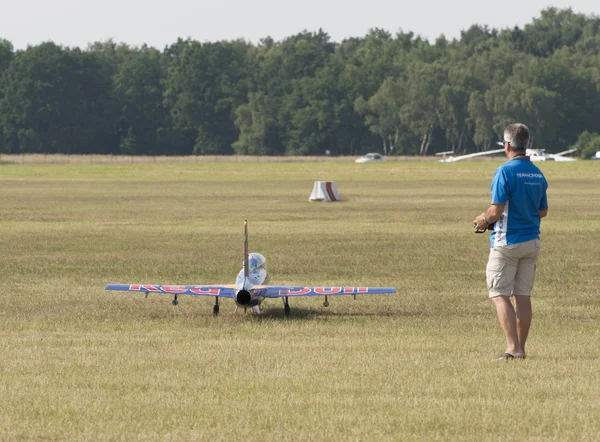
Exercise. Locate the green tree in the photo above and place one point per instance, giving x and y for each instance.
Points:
(256, 122)
(288, 74)
(321, 119)
(205, 83)
(6, 56)
(588, 144)
(62, 96)
(383, 112)
(422, 110)
(138, 86)
(554, 29)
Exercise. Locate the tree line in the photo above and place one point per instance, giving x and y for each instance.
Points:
(307, 95)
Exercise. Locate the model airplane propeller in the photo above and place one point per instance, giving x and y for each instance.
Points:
(249, 289)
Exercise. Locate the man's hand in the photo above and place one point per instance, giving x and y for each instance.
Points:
(480, 224)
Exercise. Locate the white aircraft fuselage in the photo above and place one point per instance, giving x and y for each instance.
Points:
(245, 282)
(541, 155)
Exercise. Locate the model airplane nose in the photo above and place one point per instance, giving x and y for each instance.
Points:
(243, 297)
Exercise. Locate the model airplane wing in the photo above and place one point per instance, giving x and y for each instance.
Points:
(561, 155)
(471, 155)
(224, 291)
(284, 291)
(565, 152)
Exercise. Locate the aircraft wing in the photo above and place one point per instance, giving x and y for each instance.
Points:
(565, 152)
(224, 291)
(293, 291)
(471, 155)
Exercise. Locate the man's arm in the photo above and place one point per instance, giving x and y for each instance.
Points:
(543, 213)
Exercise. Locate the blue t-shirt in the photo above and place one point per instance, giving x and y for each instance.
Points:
(521, 186)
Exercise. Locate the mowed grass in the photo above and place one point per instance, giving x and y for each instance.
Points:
(79, 363)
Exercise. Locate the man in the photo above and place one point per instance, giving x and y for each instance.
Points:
(518, 203)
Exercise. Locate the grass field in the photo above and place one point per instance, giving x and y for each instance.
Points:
(79, 363)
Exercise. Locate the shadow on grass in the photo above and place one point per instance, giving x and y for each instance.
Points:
(305, 314)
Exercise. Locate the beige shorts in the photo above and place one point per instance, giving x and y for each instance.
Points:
(510, 269)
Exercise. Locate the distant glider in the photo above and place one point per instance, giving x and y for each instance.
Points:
(248, 290)
(534, 154)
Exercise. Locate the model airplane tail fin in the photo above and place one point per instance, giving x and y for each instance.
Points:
(246, 267)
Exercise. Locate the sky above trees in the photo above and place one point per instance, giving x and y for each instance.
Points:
(76, 23)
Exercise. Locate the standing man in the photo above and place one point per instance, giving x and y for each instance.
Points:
(518, 203)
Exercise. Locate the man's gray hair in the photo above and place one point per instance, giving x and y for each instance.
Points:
(517, 135)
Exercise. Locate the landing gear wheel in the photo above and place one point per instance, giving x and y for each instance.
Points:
(326, 302)
(175, 301)
(286, 309)
(216, 310)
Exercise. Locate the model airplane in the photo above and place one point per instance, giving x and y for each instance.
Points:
(248, 290)
(534, 154)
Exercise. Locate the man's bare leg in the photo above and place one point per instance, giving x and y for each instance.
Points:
(508, 322)
(524, 314)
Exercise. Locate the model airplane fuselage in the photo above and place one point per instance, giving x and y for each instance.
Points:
(249, 289)
(542, 155)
